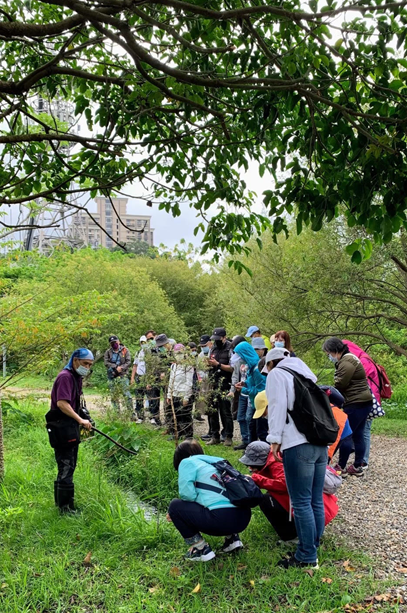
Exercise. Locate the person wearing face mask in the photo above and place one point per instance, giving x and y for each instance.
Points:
(117, 362)
(206, 345)
(137, 375)
(351, 381)
(220, 375)
(64, 415)
(180, 395)
(254, 332)
(282, 340)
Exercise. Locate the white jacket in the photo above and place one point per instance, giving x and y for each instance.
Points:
(181, 381)
(280, 397)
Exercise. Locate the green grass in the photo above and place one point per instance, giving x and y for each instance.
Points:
(138, 565)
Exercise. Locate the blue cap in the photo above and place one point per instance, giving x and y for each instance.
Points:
(252, 330)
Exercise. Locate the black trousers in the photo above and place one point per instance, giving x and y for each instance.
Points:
(183, 415)
(258, 429)
(220, 406)
(153, 396)
(189, 518)
(279, 518)
(66, 459)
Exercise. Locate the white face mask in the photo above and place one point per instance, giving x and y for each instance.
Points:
(82, 371)
(279, 344)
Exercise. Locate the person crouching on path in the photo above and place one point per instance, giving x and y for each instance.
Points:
(65, 404)
(304, 463)
(201, 508)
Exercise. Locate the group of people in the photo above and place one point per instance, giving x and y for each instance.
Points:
(253, 377)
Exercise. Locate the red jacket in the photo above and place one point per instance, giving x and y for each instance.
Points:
(271, 478)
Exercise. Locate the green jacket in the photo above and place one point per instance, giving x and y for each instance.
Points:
(351, 381)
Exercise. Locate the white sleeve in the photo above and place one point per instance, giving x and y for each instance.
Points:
(276, 392)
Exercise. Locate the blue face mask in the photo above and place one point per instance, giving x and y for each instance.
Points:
(279, 344)
(205, 350)
(333, 359)
(82, 371)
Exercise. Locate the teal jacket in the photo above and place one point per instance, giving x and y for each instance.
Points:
(198, 468)
(255, 381)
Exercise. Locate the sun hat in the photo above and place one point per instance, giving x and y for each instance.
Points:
(255, 454)
(161, 340)
(258, 343)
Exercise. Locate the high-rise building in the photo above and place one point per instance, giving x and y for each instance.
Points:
(112, 218)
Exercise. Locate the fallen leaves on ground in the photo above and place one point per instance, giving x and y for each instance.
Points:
(241, 567)
(348, 567)
(153, 589)
(326, 580)
(175, 571)
(403, 569)
(87, 559)
(309, 572)
(196, 589)
(251, 583)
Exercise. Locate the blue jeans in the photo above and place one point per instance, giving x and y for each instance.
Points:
(304, 467)
(366, 436)
(357, 416)
(242, 410)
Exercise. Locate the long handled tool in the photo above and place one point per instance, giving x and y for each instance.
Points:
(115, 442)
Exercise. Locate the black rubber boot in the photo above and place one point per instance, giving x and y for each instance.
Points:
(65, 498)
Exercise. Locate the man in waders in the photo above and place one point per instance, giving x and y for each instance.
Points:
(64, 422)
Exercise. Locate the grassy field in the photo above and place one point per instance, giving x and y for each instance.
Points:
(136, 565)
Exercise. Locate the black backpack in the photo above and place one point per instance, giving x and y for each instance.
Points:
(240, 489)
(312, 412)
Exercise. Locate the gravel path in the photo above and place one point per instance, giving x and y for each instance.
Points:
(373, 509)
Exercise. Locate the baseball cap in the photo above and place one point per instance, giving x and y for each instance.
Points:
(260, 403)
(252, 330)
(204, 340)
(258, 343)
(143, 339)
(192, 345)
(255, 454)
(161, 340)
(218, 334)
(277, 354)
(113, 338)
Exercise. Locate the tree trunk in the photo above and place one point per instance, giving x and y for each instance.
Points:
(1, 445)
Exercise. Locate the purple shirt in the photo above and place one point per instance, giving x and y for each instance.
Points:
(64, 388)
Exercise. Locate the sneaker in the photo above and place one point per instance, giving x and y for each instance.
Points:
(232, 543)
(294, 563)
(139, 421)
(200, 555)
(290, 542)
(228, 442)
(356, 472)
(342, 472)
(240, 447)
(214, 441)
(364, 466)
(206, 437)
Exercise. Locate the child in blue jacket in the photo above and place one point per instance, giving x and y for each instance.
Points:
(255, 383)
(203, 505)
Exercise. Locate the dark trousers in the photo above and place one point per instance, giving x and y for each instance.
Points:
(183, 415)
(66, 459)
(279, 518)
(220, 405)
(357, 416)
(153, 396)
(139, 397)
(258, 429)
(190, 518)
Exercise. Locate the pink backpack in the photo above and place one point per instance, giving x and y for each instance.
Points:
(376, 375)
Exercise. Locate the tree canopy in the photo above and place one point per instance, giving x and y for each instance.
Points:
(180, 97)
